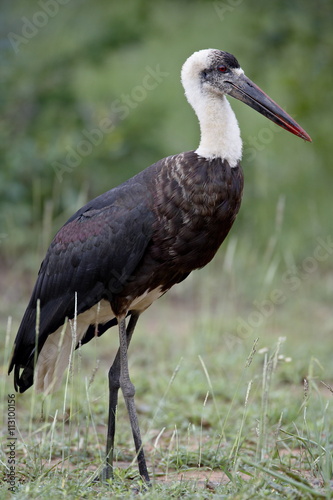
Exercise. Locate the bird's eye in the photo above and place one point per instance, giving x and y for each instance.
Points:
(222, 68)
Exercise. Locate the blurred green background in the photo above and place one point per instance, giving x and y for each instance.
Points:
(91, 95)
(71, 67)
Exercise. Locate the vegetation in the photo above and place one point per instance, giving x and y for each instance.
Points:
(90, 96)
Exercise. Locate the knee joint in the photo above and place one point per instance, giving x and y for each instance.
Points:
(127, 388)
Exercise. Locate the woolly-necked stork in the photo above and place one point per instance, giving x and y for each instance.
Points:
(127, 247)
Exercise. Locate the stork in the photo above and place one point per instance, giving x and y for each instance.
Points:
(126, 248)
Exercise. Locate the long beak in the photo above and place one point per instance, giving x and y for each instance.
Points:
(246, 91)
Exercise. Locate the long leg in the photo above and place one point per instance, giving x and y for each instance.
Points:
(128, 391)
(114, 385)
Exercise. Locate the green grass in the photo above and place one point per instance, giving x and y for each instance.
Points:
(222, 416)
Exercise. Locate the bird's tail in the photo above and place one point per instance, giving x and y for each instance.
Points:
(56, 355)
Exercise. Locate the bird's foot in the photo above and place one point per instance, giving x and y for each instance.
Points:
(105, 475)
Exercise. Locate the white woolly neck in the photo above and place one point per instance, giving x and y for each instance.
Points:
(220, 134)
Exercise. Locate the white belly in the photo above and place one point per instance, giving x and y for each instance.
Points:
(60, 345)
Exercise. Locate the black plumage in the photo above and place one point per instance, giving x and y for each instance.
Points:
(149, 232)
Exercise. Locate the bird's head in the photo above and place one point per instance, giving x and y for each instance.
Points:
(213, 73)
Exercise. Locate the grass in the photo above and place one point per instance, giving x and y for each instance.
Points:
(222, 415)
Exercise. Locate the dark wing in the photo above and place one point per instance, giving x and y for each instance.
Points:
(93, 255)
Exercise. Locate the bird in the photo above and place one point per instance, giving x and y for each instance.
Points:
(126, 248)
